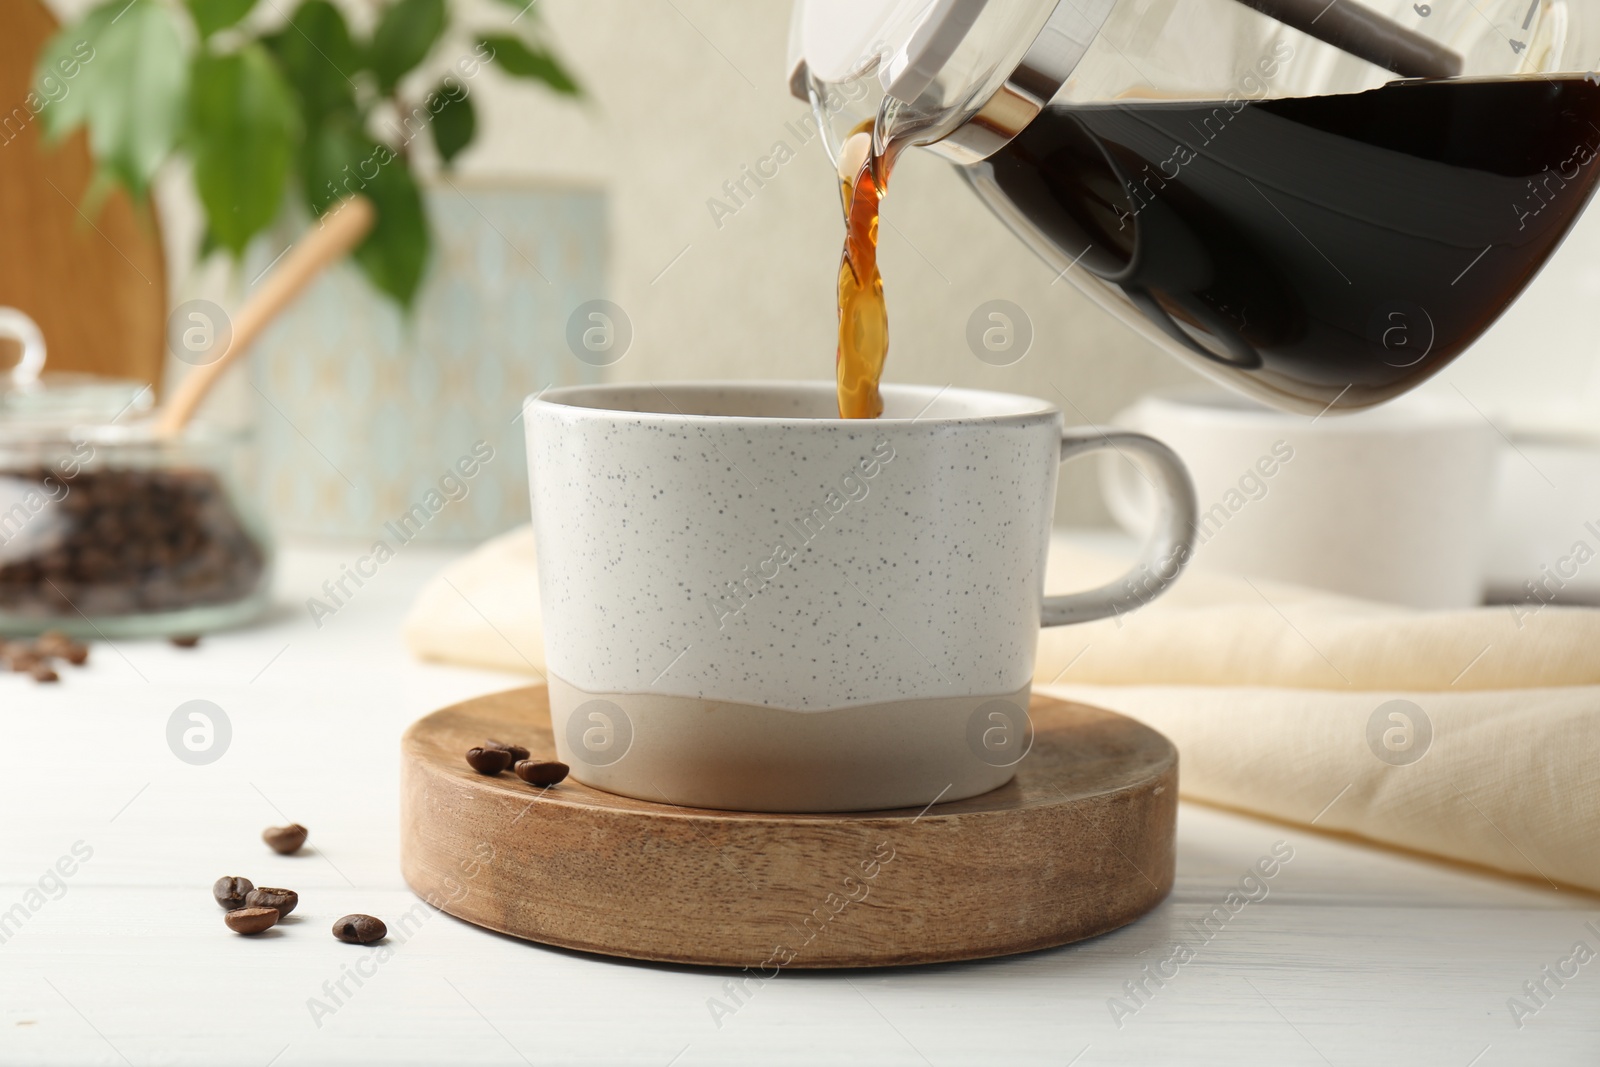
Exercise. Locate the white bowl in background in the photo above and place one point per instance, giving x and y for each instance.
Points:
(1390, 504)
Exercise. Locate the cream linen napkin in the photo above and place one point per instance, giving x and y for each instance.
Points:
(1268, 691)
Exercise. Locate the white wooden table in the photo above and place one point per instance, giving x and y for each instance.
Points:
(1355, 956)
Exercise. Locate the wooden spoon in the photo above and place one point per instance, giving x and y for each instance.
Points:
(334, 236)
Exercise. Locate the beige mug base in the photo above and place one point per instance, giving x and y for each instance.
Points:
(741, 757)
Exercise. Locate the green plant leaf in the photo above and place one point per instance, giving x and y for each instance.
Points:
(515, 58)
(242, 129)
(333, 162)
(338, 161)
(406, 32)
(58, 76)
(454, 121)
(213, 15)
(319, 60)
(395, 253)
(129, 90)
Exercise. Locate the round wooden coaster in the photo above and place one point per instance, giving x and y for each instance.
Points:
(1079, 843)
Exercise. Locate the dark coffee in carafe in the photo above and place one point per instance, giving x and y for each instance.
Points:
(1327, 250)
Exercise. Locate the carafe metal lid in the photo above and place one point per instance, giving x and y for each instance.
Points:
(975, 72)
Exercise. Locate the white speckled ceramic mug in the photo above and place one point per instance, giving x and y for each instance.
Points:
(752, 604)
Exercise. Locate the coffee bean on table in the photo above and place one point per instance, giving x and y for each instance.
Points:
(490, 761)
(186, 640)
(284, 900)
(285, 839)
(37, 657)
(230, 891)
(53, 643)
(360, 929)
(251, 920)
(544, 772)
(516, 752)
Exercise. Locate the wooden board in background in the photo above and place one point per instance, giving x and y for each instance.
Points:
(97, 287)
(1079, 843)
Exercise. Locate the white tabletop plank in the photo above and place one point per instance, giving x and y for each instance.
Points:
(1354, 955)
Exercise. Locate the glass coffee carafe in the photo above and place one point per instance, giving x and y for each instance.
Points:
(1319, 203)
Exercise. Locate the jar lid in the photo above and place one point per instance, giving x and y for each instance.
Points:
(35, 403)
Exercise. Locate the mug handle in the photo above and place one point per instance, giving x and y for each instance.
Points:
(1166, 551)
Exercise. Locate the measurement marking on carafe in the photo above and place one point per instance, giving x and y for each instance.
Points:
(1474, 262)
(1503, 436)
(1074, 263)
(675, 259)
(1532, 7)
(1301, 232)
(1332, 402)
(895, 628)
(1296, 629)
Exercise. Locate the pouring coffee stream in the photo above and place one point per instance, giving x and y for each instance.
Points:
(1310, 231)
